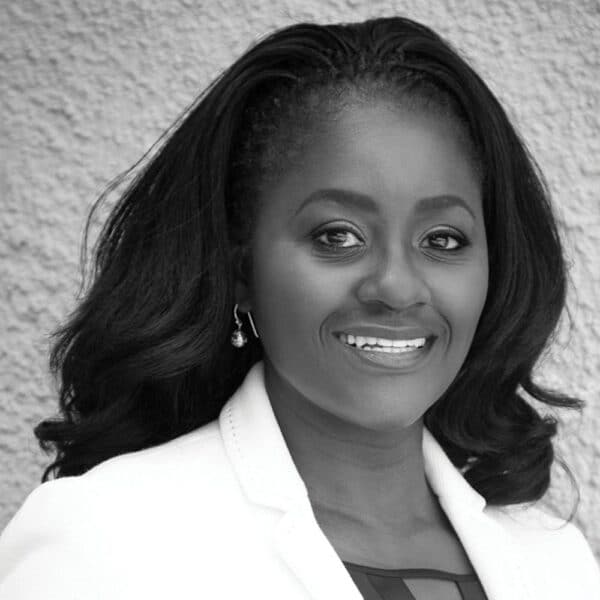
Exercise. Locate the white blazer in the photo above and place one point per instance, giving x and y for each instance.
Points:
(222, 513)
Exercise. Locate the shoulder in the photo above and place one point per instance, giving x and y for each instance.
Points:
(548, 544)
(198, 448)
(169, 495)
(531, 523)
(186, 460)
(194, 461)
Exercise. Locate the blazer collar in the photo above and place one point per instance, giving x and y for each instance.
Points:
(266, 471)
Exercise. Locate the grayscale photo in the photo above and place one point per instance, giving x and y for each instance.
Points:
(300, 300)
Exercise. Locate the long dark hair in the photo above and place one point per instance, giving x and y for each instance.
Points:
(146, 355)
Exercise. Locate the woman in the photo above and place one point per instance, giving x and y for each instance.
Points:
(296, 372)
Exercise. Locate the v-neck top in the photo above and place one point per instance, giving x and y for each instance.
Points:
(389, 584)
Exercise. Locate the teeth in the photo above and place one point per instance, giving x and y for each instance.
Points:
(389, 350)
(402, 343)
(382, 344)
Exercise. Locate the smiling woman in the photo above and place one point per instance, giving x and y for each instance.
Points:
(401, 181)
(360, 195)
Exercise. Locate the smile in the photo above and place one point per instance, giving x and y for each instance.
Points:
(382, 344)
(403, 355)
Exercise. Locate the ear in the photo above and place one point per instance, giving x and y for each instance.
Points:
(242, 276)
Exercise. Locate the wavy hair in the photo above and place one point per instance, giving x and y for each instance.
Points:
(146, 354)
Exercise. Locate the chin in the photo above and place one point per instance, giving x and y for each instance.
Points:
(385, 420)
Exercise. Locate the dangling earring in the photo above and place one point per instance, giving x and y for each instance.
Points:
(238, 337)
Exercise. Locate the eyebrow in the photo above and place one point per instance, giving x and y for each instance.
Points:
(366, 203)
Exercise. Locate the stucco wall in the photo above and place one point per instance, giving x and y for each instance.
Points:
(88, 85)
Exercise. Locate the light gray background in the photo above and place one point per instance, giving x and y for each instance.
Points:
(87, 86)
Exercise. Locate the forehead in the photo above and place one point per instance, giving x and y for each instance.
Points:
(381, 151)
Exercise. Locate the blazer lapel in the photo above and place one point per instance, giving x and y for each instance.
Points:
(495, 557)
(265, 468)
(266, 471)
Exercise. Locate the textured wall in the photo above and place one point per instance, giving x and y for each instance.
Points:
(88, 86)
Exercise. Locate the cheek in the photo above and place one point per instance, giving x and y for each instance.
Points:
(293, 296)
(459, 295)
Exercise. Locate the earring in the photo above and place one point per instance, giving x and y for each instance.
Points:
(238, 337)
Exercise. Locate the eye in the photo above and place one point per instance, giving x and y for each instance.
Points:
(337, 238)
(446, 240)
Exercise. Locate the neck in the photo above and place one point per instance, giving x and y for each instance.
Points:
(359, 478)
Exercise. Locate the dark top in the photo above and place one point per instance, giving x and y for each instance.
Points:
(388, 584)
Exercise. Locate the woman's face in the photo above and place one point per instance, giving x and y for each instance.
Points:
(376, 233)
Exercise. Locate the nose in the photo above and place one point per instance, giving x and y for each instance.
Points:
(394, 279)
